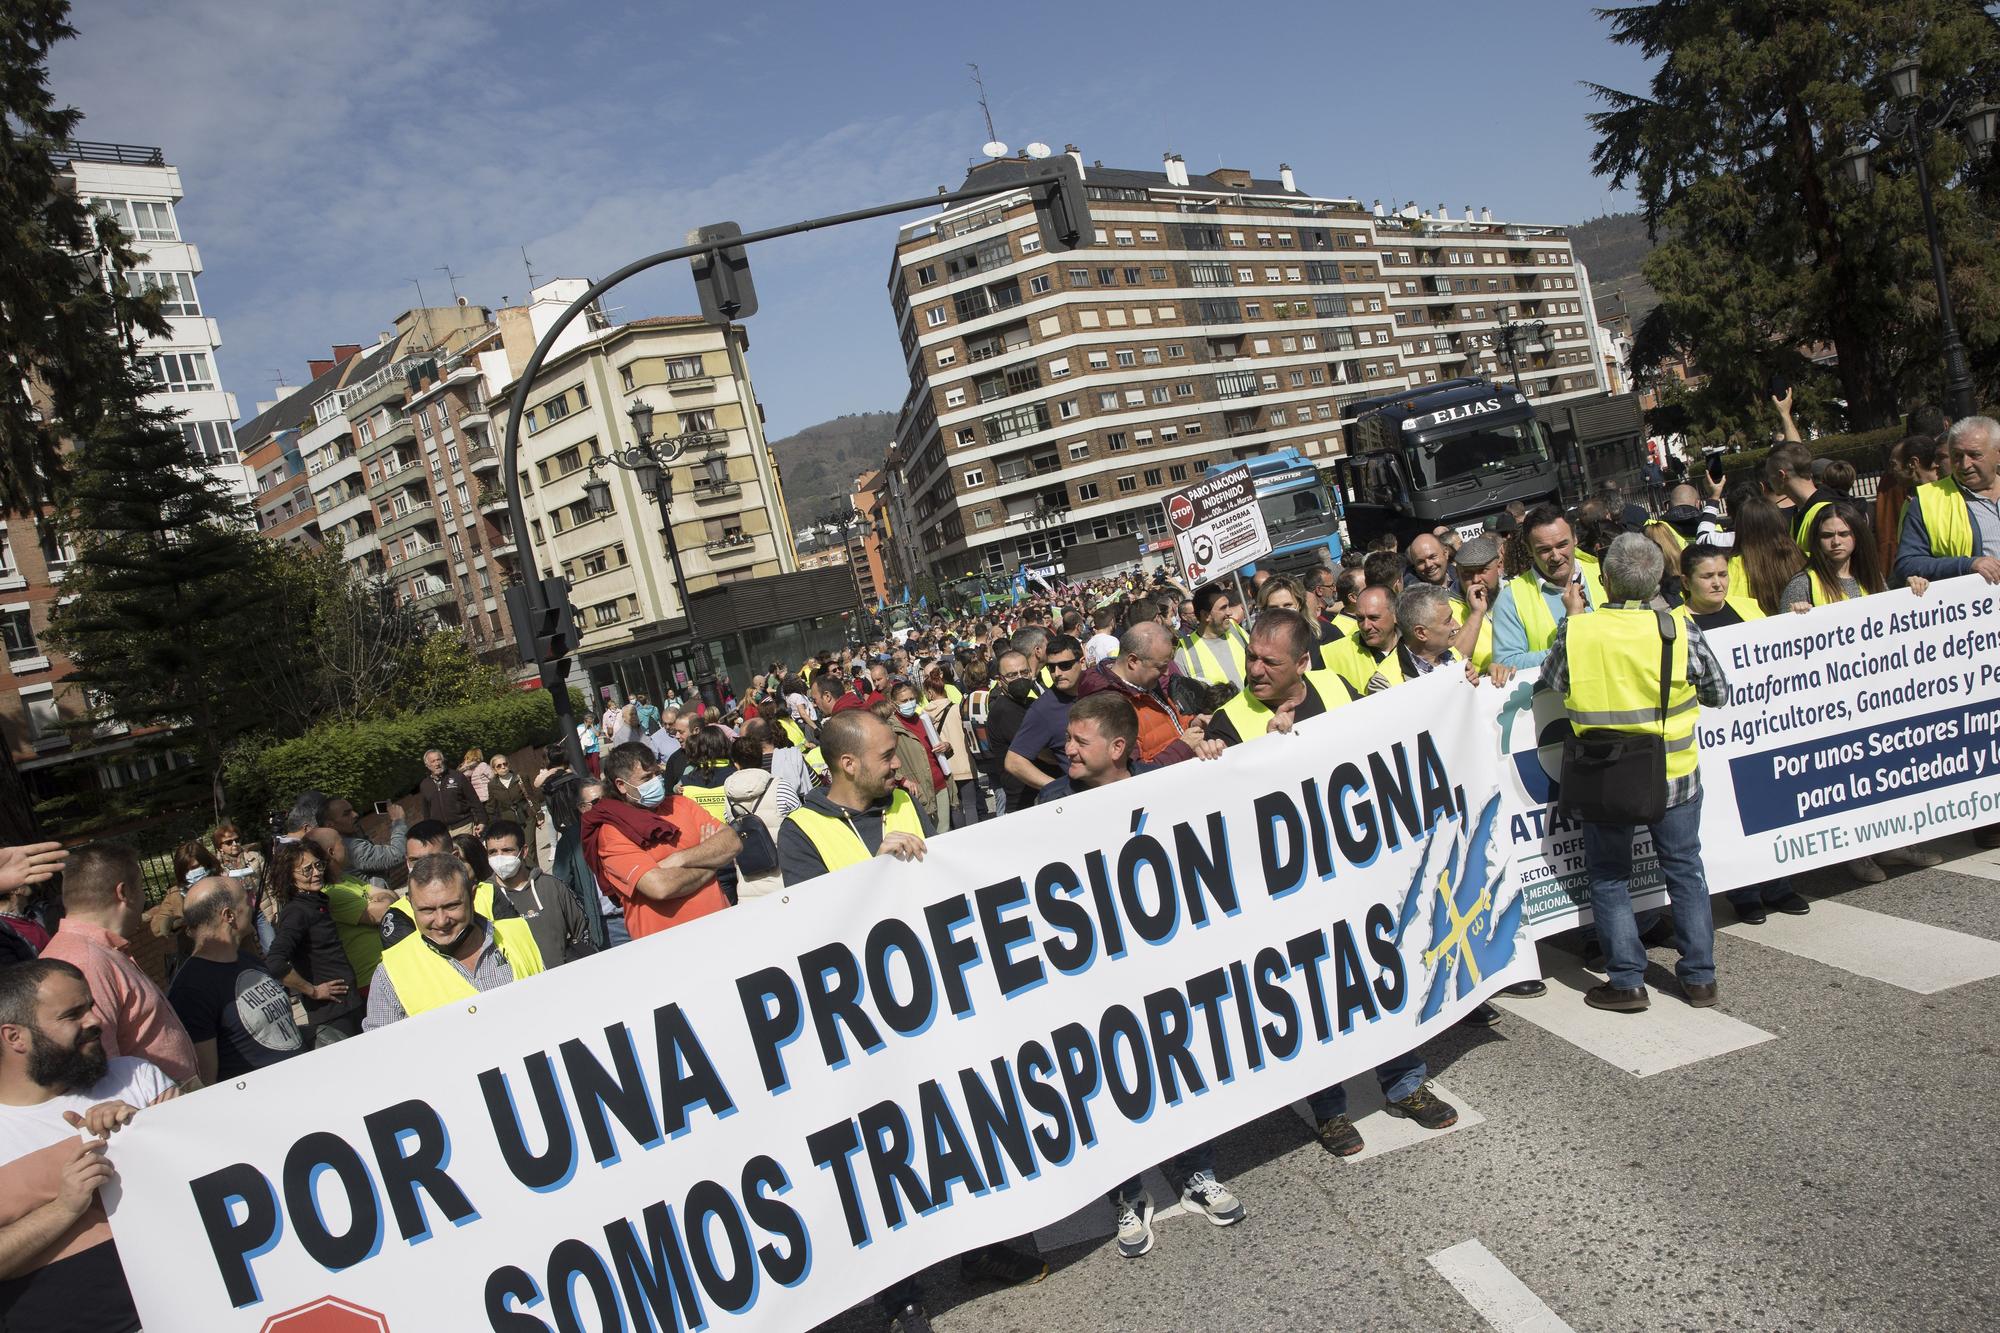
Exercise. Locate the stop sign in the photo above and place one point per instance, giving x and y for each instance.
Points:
(328, 1314)
(1180, 512)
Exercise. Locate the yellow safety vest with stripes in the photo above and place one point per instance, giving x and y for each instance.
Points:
(1352, 661)
(1252, 719)
(838, 845)
(712, 799)
(1614, 681)
(1946, 518)
(1533, 609)
(1205, 662)
(424, 979)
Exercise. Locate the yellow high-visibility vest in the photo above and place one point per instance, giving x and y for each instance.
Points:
(482, 903)
(1804, 535)
(1351, 660)
(1252, 719)
(838, 845)
(424, 980)
(1536, 618)
(1205, 662)
(1614, 681)
(1946, 517)
(1482, 651)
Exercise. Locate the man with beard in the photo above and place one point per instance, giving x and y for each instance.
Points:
(55, 1078)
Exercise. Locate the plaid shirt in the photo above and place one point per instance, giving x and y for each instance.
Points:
(1704, 674)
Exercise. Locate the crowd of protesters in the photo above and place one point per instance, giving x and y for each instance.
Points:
(338, 926)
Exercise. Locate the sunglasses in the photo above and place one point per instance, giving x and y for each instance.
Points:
(1063, 665)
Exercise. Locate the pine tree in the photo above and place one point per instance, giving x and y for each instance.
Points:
(64, 329)
(164, 598)
(1765, 254)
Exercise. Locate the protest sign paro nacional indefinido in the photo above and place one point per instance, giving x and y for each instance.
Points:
(762, 1117)
(1217, 524)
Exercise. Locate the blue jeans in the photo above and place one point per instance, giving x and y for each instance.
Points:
(1607, 854)
(1399, 1078)
(1201, 1157)
(971, 803)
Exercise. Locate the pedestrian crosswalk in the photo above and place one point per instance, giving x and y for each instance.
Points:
(1895, 951)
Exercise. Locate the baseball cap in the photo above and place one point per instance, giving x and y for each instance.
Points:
(1634, 517)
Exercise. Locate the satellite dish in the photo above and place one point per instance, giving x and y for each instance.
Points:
(1038, 150)
(995, 148)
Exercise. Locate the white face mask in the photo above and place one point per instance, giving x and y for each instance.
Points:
(506, 867)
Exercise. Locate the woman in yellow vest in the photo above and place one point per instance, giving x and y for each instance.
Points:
(454, 954)
(1764, 557)
(1705, 585)
(1841, 563)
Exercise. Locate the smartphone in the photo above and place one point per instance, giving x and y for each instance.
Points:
(1778, 385)
(381, 807)
(1715, 467)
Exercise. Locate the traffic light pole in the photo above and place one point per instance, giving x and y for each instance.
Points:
(1066, 206)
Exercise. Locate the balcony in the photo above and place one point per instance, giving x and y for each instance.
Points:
(424, 557)
(482, 458)
(400, 432)
(421, 516)
(491, 500)
(427, 598)
(733, 544)
(707, 491)
(475, 416)
(690, 384)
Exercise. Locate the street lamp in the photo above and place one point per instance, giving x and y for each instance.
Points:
(650, 461)
(1914, 119)
(1511, 334)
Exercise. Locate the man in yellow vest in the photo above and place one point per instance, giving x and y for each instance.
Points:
(430, 837)
(455, 953)
(1355, 658)
(1480, 567)
(1212, 650)
(1952, 527)
(1607, 667)
(1562, 583)
(861, 812)
(1788, 475)
(1283, 692)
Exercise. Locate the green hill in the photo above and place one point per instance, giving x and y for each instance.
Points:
(819, 463)
(1612, 248)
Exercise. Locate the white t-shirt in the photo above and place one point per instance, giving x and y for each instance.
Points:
(26, 1129)
(1101, 648)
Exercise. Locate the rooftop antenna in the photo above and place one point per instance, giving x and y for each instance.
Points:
(529, 265)
(993, 147)
(451, 278)
(278, 378)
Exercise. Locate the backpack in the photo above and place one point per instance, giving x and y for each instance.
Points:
(760, 851)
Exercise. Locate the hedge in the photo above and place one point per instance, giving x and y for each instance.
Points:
(1867, 450)
(372, 761)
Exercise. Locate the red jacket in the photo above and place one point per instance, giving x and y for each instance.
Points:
(1161, 725)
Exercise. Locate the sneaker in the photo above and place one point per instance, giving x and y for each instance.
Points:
(1867, 870)
(1206, 1195)
(1909, 856)
(1424, 1107)
(1338, 1136)
(912, 1318)
(1002, 1264)
(1135, 1226)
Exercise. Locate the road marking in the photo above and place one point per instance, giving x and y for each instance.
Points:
(1501, 1299)
(1667, 1036)
(1385, 1133)
(1981, 862)
(1907, 954)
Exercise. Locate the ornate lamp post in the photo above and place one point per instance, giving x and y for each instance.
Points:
(1914, 118)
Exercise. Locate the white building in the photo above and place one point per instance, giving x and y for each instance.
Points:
(140, 189)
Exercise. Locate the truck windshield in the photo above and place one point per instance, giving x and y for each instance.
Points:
(1293, 507)
(1480, 452)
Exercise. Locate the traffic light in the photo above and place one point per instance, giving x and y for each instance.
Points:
(548, 633)
(722, 277)
(1062, 210)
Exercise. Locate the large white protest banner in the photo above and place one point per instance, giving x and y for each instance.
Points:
(762, 1117)
(1861, 726)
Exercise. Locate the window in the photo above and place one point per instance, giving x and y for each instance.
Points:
(607, 613)
(143, 220)
(1160, 393)
(176, 290)
(725, 529)
(1031, 241)
(1127, 357)
(1098, 360)
(1152, 476)
(1115, 442)
(1122, 237)
(464, 497)
(926, 275)
(954, 398)
(1127, 484)
(1108, 401)
(179, 372)
(1079, 277)
(1038, 284)
(1058, 367)
(1156, 274)
(1253, 310)
(1168, 434)
(966, 437)
(947, 356)
(19, 632)
(577, 513)
(1193, 428)
(1087, 491)
(564, 463)
(1079, 451)
(1107, 277)
(1067, 410)
(210, 441)
(974, 477)
(701, 421)
(1178, 472)
(685, 368)
(44, 722)
(936, 315)
(1176, 350)
(1131, 277)
(625, 378)
(1278, 417)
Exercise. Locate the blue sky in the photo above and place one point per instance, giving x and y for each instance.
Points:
(332, 153)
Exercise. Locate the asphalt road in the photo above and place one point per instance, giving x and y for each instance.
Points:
(1814, 1153)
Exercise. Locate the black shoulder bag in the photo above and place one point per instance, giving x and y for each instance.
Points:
(1620, 777)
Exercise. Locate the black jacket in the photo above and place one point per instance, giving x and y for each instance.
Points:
(799, 860)
(451, 799)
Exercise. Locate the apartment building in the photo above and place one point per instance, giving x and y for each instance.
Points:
(868, 548)
(728, 512)
(1216, 316)
(139, 188)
